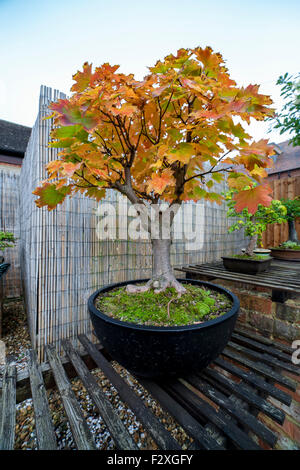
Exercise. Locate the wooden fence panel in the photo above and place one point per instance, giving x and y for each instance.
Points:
(283, 188)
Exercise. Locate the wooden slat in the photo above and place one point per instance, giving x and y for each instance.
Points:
(267, 354)
(261, 369)
(243, 392)
(187, 422)
(244, 417)
(286, 270)
(119, 433)
(158, 432)
(8, 415)
(276, 276)
(255, 380)
(197, 406)
(262, 339)
(80, 430)
(253, 281)
(44, 427)
(247, 278)
(263, 358)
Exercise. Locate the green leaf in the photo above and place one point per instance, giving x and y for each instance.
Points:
(67, 131)
(50, 196)
(218, 177)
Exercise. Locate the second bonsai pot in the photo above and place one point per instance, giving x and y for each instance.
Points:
(262, 252)
(285, 254)
(154, 351)
(246, 266)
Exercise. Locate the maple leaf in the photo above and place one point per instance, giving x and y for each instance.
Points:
(158, 91)
(69, 168)
(183, 152)
(158, 183)
(239, 181)
(96, 193)
(50, 196)
(98, 172)
(82, 78)
(251, 198)
(54, 166)
(258, 172)
(70, 113)
(125, 110)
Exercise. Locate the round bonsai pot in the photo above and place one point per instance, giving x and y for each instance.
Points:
(262, 252)
(154, 351)
(246, 266)
(285, 254)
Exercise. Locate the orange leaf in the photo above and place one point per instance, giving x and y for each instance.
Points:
(69, 168)
(250, 198)
(158, 183)
(238, 181)
(82, 78)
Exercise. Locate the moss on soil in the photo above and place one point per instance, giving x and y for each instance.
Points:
(287, 247)
(252, 258)
(195, 306)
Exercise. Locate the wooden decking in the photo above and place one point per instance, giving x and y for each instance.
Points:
(283, 275)
(218, 407)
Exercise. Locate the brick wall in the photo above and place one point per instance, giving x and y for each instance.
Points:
(259, 312)
(280, 321)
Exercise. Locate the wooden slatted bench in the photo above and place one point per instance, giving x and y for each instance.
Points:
(219, 408)
(283, 276)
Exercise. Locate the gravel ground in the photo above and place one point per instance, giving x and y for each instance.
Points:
(25, 431)
(15, 332)
(16, 337)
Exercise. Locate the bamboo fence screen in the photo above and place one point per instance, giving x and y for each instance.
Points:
(62, 259)
(283, 188)
(9, 222)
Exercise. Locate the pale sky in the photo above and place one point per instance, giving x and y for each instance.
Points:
(46, 42)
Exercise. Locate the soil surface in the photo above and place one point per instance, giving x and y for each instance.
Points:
(197, 305)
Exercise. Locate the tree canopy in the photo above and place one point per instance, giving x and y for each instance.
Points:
(288, 119)
(172, 136)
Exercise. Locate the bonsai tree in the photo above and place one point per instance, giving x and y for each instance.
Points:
(254, 224)
(167, 138)
(292, 211)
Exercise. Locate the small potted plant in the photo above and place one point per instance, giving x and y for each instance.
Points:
(7, 240)
(168, 138)
(289, 250)
(253, 260)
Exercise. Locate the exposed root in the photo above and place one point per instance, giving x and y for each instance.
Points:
(169, 303)
(133, 289)
(158, 285)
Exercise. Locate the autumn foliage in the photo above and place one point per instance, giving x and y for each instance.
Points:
(172, 136)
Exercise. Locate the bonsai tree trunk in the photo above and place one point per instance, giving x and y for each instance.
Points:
(293, 236)
(162, 271)
(252, 245)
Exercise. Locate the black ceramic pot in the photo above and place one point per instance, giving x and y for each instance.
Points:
(154, 351)
(246, 266)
